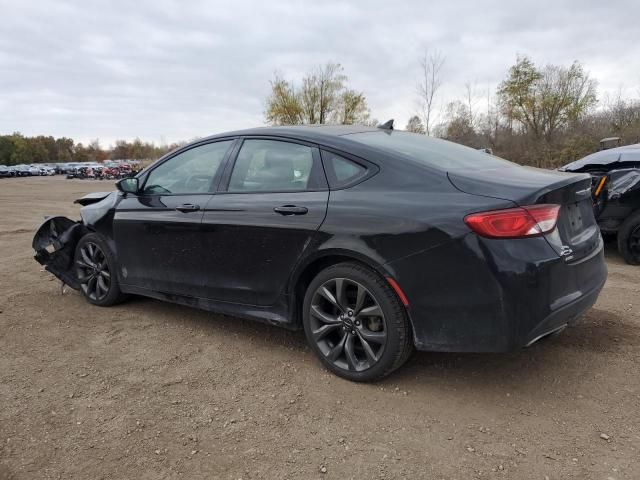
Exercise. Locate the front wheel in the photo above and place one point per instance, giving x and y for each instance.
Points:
(95, 268)
(355, 323)
(629, 239)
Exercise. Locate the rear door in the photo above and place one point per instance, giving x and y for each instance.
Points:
(272, 201)
(157, 231)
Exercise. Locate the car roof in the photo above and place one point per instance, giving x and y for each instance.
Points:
(337, 137)
(309, 132)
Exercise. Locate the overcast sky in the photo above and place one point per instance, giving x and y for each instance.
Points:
(167, 70)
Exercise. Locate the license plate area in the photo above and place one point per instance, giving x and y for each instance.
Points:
(574, 217)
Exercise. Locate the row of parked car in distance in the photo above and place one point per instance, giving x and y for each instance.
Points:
(112, 169)
(26, 170)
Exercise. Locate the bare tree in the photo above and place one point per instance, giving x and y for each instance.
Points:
(470, 100)
(415, 125)
(321, 92)
(430, 82)
(490, 120)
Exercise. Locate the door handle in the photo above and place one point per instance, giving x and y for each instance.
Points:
(188, 207)
(291, 210)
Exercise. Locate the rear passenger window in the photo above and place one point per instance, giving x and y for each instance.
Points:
(341, 171)
(274, 166)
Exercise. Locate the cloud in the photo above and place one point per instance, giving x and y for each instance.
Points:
(176, 70)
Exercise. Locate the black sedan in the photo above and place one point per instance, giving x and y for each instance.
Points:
(373, 241)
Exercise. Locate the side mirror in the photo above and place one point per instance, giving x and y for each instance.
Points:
(128, 185)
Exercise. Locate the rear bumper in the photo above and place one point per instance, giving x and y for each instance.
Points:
(563, 315)
(478, 295)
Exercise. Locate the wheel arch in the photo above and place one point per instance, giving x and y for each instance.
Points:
(628, 228)
(308, 270)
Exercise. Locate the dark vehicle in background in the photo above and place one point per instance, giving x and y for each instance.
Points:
(71, 171)
(615, 187)
(65, 168)
(610, 142)
(76, 169)
(22, 170)
(373, 241)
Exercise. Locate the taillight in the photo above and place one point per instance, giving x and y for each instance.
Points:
(518, 222)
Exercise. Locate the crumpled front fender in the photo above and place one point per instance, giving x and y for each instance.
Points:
(56, 238)
(55, 245)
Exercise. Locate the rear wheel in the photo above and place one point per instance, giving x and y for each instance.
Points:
(355, 323)
(95, 268)
(629, 239)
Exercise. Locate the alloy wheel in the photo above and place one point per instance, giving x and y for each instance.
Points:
(93, 272)
(347, 324)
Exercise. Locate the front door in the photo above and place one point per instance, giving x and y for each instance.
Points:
(158, 231)
(256, 230)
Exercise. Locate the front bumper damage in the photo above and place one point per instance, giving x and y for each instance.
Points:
(55, 245)
(616, 194)
(615, 189)
(56, 238)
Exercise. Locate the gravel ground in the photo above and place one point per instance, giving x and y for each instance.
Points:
(151, 390)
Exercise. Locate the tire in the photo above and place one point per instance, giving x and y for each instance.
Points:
(96, 269)
(629, 239)
(350, 343)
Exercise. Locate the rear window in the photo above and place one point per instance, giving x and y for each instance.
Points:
(430, 151)
(342, 172)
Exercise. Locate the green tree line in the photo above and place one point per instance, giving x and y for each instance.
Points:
(17, 149)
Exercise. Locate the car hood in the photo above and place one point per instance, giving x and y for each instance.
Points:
(621, 157)
(92, 198)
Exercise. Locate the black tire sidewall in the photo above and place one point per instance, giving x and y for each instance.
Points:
(114, 295)
(624, 233)
(397, 325)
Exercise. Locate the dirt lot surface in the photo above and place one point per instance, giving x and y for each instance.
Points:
(151, 390)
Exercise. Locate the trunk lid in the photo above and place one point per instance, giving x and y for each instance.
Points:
(576, 235)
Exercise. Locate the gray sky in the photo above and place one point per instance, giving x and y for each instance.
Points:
(166, 70)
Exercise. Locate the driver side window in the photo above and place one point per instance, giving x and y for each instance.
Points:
(191, 171)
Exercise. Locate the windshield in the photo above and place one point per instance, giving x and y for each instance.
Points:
(430, 151)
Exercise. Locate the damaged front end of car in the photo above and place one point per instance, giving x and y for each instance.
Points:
(615, 185)
(616, 194)
(615, 191)
(56, 238)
